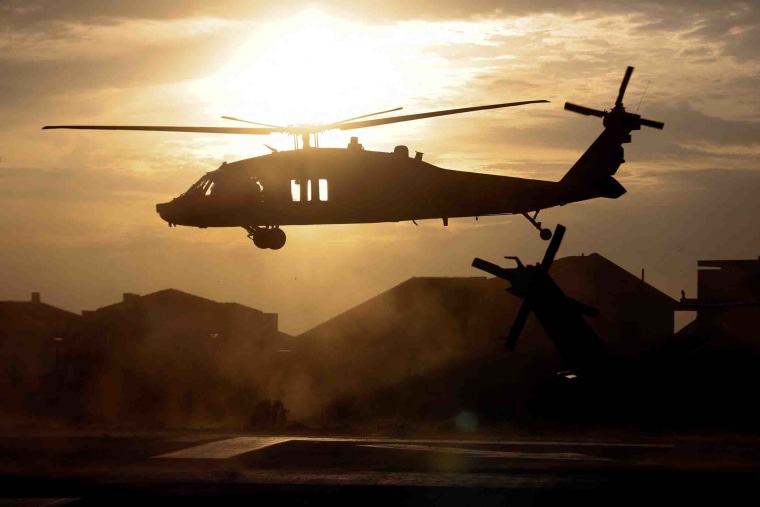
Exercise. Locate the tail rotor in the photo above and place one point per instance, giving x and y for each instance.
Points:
(618, 114)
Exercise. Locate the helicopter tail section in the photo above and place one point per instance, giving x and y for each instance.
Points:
(592, 175)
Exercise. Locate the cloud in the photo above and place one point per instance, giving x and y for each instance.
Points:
(45, 67)
(78, 208)
(717, 17)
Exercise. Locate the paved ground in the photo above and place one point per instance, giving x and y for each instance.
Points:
(82, 469)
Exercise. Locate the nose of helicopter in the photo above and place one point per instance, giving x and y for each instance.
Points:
(164, 210)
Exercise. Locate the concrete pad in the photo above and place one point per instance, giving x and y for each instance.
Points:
(225, 449)
(484, 453)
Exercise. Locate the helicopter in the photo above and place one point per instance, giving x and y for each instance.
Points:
(310, 185)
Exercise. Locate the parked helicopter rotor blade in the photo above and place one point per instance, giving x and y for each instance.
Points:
(652, 123)
(575, 108)
(517, 326)
(420, 116)
(623, 86)
(488, 267)
(251, 122)
(553, 247)
(508, 274)
(200, 130)
(366, 115)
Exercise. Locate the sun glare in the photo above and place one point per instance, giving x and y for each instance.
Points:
(313, 68)
(308, 68)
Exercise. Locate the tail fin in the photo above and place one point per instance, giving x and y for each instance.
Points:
(592, 174)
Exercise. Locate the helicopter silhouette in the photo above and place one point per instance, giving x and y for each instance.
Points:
(558, 314)
(596, 383)
(314, 185)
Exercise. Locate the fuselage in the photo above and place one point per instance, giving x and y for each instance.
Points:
(337, 186)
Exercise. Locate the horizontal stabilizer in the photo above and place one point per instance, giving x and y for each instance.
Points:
(608, 187)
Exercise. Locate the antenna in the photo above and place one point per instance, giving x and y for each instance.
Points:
(642, 96)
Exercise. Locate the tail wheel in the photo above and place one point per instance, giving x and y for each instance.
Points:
(543, 233)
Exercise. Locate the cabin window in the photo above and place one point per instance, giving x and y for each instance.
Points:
(310, 191)
(295, 190)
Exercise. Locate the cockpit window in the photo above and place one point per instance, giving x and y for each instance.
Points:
(201, 187)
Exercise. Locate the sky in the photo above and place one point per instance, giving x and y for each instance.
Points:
(77, 208)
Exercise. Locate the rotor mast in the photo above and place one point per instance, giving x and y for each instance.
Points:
(306, 140)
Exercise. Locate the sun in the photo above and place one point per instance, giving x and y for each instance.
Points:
(314, 68)
(310, 68)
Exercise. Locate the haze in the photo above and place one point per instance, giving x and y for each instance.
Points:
(77, 208)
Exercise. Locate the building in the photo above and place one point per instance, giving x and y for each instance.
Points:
(164, 359)
(432, 347)
(32, 335)
(633, 316)
(718, 383)
(727, 303)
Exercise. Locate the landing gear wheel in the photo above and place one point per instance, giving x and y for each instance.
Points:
(276, 238)
(266, 237)
(545, 234)
(261, 239)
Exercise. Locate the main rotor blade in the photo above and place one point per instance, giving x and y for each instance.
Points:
(366, 115)
(251, 122)
(307, 129)
(517, 326)
(584, 110)
(623, 86)
(420, 116)
(652, 123)
(201, 130)
(582, 308)
(553, 247)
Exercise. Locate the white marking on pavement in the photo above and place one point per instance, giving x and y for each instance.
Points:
(484, 453)
(189, 439)
(228, 448)
(224, 449)
(492, 442)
